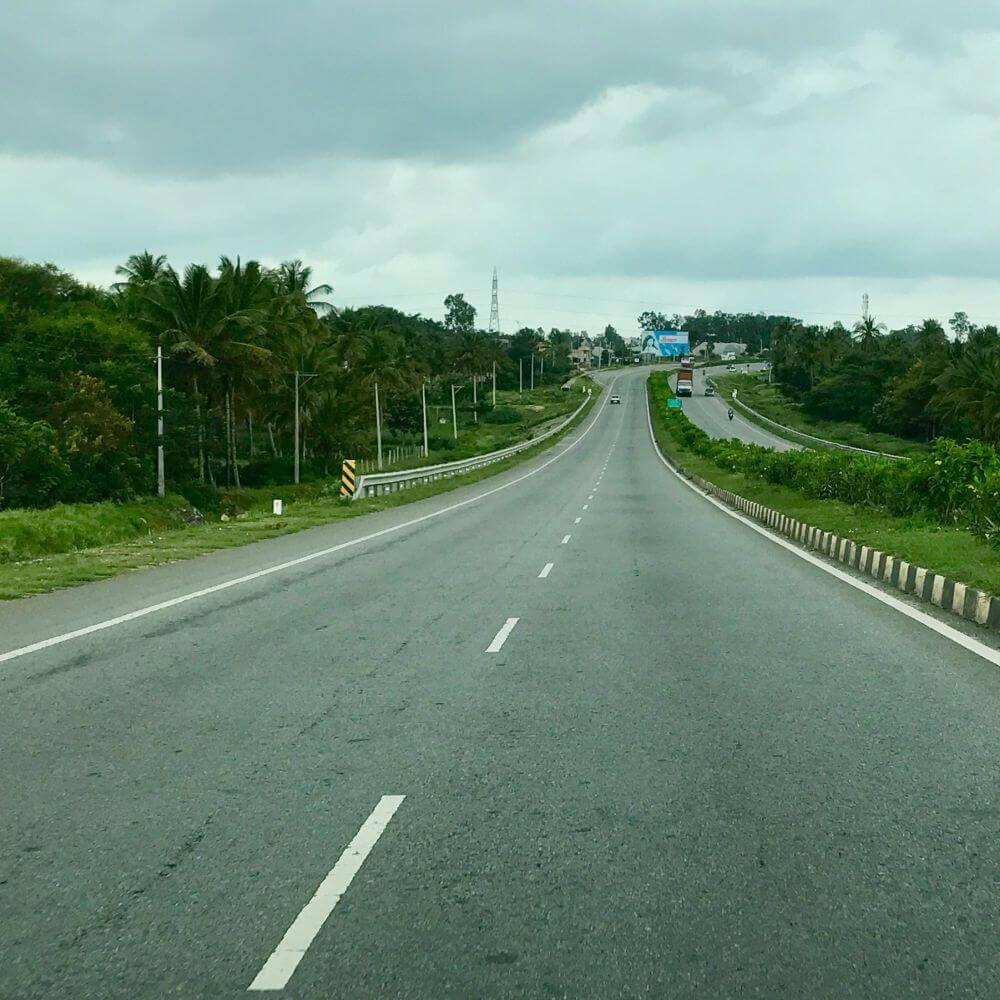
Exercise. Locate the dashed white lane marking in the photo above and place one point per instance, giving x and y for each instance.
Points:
(546, 569)
(566, 539)
(585, 506)
(578, 520)
(501, 637)
(591, 497)
(285, 958)
(959, 638)
(56, 640)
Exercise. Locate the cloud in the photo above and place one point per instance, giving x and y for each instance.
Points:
(771, 154)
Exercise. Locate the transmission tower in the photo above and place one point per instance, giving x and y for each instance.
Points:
(494, 307)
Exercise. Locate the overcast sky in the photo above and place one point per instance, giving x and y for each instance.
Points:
(607, 157)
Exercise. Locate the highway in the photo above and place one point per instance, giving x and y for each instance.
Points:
(571, 731)
(709, 413)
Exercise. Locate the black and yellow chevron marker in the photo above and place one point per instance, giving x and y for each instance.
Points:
(347, 477)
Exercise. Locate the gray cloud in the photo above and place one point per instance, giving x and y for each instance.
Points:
(715, 147)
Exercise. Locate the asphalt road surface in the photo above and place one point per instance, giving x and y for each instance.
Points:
(642, 751)
(709, 413)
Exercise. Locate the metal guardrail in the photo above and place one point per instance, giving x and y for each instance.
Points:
(791, 433)
(379, 483)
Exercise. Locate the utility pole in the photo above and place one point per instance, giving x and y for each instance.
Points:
(423, 405)
(161, 481)
(475, 399)
(532, 371)
(454, 413)
(520, 376)
(542, 359)
(494, 383)
(378, 427)
(304, 377)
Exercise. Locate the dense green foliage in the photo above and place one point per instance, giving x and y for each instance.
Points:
(914, 382)
(955, 484)
(77, 376)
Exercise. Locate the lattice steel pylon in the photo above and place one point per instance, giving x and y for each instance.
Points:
(494, 307)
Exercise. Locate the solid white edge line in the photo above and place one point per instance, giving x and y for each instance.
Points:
(546, 569)
(56, 640)
(501, 637)
(284, 960)
(959, 638)
(566, 539)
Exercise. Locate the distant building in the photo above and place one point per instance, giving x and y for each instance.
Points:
(583, 354)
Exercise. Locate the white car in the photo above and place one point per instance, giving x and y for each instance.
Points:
(730, 368)
(616, 399)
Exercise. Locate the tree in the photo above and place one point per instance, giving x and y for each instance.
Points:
(31, 469)
(970, 388)
(292, 278)
(460, 316)
(868, 332)
(140, 271)
(960, 326)
(651, 320)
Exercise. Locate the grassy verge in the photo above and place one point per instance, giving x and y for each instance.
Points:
(954, 552)
(524, 414)
(170, 538)
(766, 399)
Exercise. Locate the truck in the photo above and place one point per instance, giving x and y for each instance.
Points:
(687, 362)
(685, 382)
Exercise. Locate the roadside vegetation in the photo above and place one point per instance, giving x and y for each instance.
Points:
(940, 511)
(913, 383)
(78, 389)
(767, 400)
(70, 544)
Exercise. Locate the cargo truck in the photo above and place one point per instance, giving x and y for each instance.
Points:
(685, 381)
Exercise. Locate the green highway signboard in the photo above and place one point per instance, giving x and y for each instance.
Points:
(673, 404)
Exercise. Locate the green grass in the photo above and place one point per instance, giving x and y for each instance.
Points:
(956, 553)
(96, 546)
(767, 400)
(536, 408)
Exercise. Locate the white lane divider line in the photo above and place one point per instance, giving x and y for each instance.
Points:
(566, 539)
(585, 506)
(546, 569)
(501, 637)
(591, 497)
(56, 640)
(284, 960)
(578, 520)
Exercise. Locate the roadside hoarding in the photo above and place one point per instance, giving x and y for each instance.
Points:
(666, 344)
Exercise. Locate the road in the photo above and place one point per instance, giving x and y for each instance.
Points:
(695, 766)
(709, 413)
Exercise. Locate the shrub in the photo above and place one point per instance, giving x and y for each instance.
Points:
(955, 484)
(502, 415)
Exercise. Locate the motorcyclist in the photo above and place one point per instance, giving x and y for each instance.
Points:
(730, 414)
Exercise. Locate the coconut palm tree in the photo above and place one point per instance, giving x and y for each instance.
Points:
(970, 388)
(868, 332)
(292, 277)
(140, 270)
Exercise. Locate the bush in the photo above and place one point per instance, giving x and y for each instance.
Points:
(956, 484)
(502, 415)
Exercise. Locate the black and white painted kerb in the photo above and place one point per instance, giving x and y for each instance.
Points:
(973, 605)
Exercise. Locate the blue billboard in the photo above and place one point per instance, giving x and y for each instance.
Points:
(666, 344)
